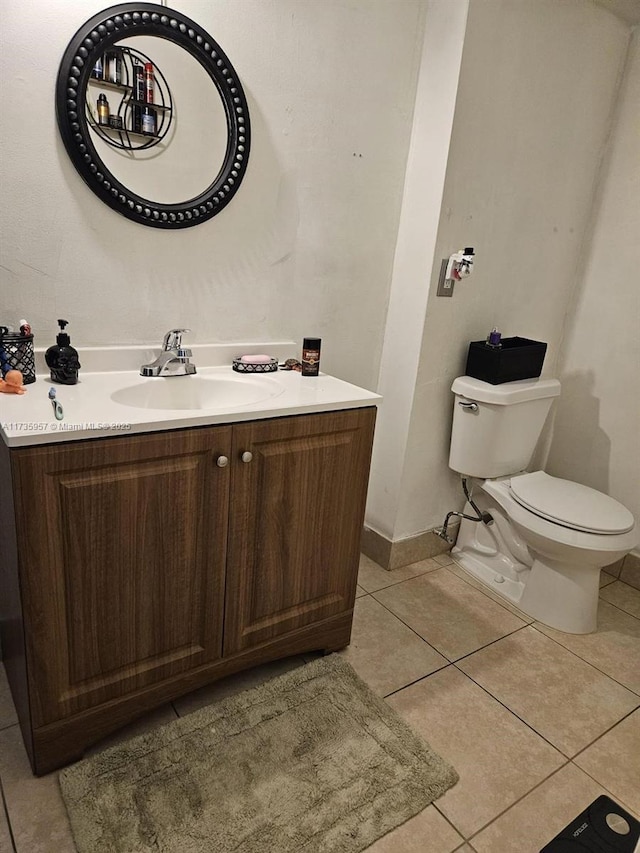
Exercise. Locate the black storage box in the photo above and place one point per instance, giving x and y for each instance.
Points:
(517, 358)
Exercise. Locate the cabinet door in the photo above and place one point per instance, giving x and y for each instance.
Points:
(122, 547)
(295, 523)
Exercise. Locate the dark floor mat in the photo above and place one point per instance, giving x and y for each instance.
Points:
(603, 827)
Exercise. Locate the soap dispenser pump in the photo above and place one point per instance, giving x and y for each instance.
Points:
(62, 359)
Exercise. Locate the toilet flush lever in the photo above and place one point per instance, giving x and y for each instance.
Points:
(468, 407)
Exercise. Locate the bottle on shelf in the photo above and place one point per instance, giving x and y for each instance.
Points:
(138, 94)
(103, 109)
(113, 62)
(149, 121)
(97, 71)
(148, 82)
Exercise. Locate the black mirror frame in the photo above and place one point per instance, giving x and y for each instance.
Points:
(99, 34)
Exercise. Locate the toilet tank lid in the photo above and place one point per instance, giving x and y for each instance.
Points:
(508, 392)
(571, 504)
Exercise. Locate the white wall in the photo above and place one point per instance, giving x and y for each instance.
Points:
(305, 247)
(418, 228)
(537, 87)
(596, 437)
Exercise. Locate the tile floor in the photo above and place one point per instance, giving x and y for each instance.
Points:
(536, 722)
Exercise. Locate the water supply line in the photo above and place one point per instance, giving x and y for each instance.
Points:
(484, 517)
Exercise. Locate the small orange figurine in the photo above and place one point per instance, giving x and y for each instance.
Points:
(12, 383)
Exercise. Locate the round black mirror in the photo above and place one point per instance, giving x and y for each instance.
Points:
(104, 62)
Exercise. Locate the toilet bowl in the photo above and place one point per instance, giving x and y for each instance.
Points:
(549, 537)
(565, 554)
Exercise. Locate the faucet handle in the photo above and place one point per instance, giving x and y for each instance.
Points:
(173, 339)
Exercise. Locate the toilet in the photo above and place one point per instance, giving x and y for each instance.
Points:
(547, 538)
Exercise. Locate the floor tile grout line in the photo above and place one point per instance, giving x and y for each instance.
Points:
(484, 689)
(418, 680)
(584, 660)
(490, 643)
(467, 654)
(435, 648)
(399, 568)
(3, 805)
(617, 606)
(630, 585)
(518, 800)
(451, 824)
(402, 622)
(619, 580)
(515, 714)
(610, 729)
(404, 580)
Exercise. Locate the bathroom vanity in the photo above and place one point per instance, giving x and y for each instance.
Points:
(137, 568)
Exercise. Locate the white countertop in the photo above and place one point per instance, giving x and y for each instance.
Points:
(90, 412)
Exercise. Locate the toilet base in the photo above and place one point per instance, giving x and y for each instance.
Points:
(563, 596)
(546, 592)
(492, 576)
(494, 554)
(560, 594)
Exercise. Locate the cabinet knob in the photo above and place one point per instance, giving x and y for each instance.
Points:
(247, 456)
(222, 461)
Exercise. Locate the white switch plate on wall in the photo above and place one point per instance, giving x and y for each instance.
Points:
(445, 285)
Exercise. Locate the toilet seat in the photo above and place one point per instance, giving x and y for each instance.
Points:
(534, 526)
(571, 504)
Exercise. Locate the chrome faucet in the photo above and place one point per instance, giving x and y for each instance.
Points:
(174, 358)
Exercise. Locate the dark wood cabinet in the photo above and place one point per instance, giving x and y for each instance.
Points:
(137, 569)
(291, 530)
(122, 551)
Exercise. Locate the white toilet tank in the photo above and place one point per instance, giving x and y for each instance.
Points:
(496, 427)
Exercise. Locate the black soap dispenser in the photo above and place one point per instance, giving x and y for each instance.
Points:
(62, 359)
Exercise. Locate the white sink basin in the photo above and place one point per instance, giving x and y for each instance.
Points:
(197, 392)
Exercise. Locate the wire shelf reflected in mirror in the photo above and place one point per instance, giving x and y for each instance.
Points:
(128, 127)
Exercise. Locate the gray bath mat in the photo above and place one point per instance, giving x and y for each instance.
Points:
(310, 762)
